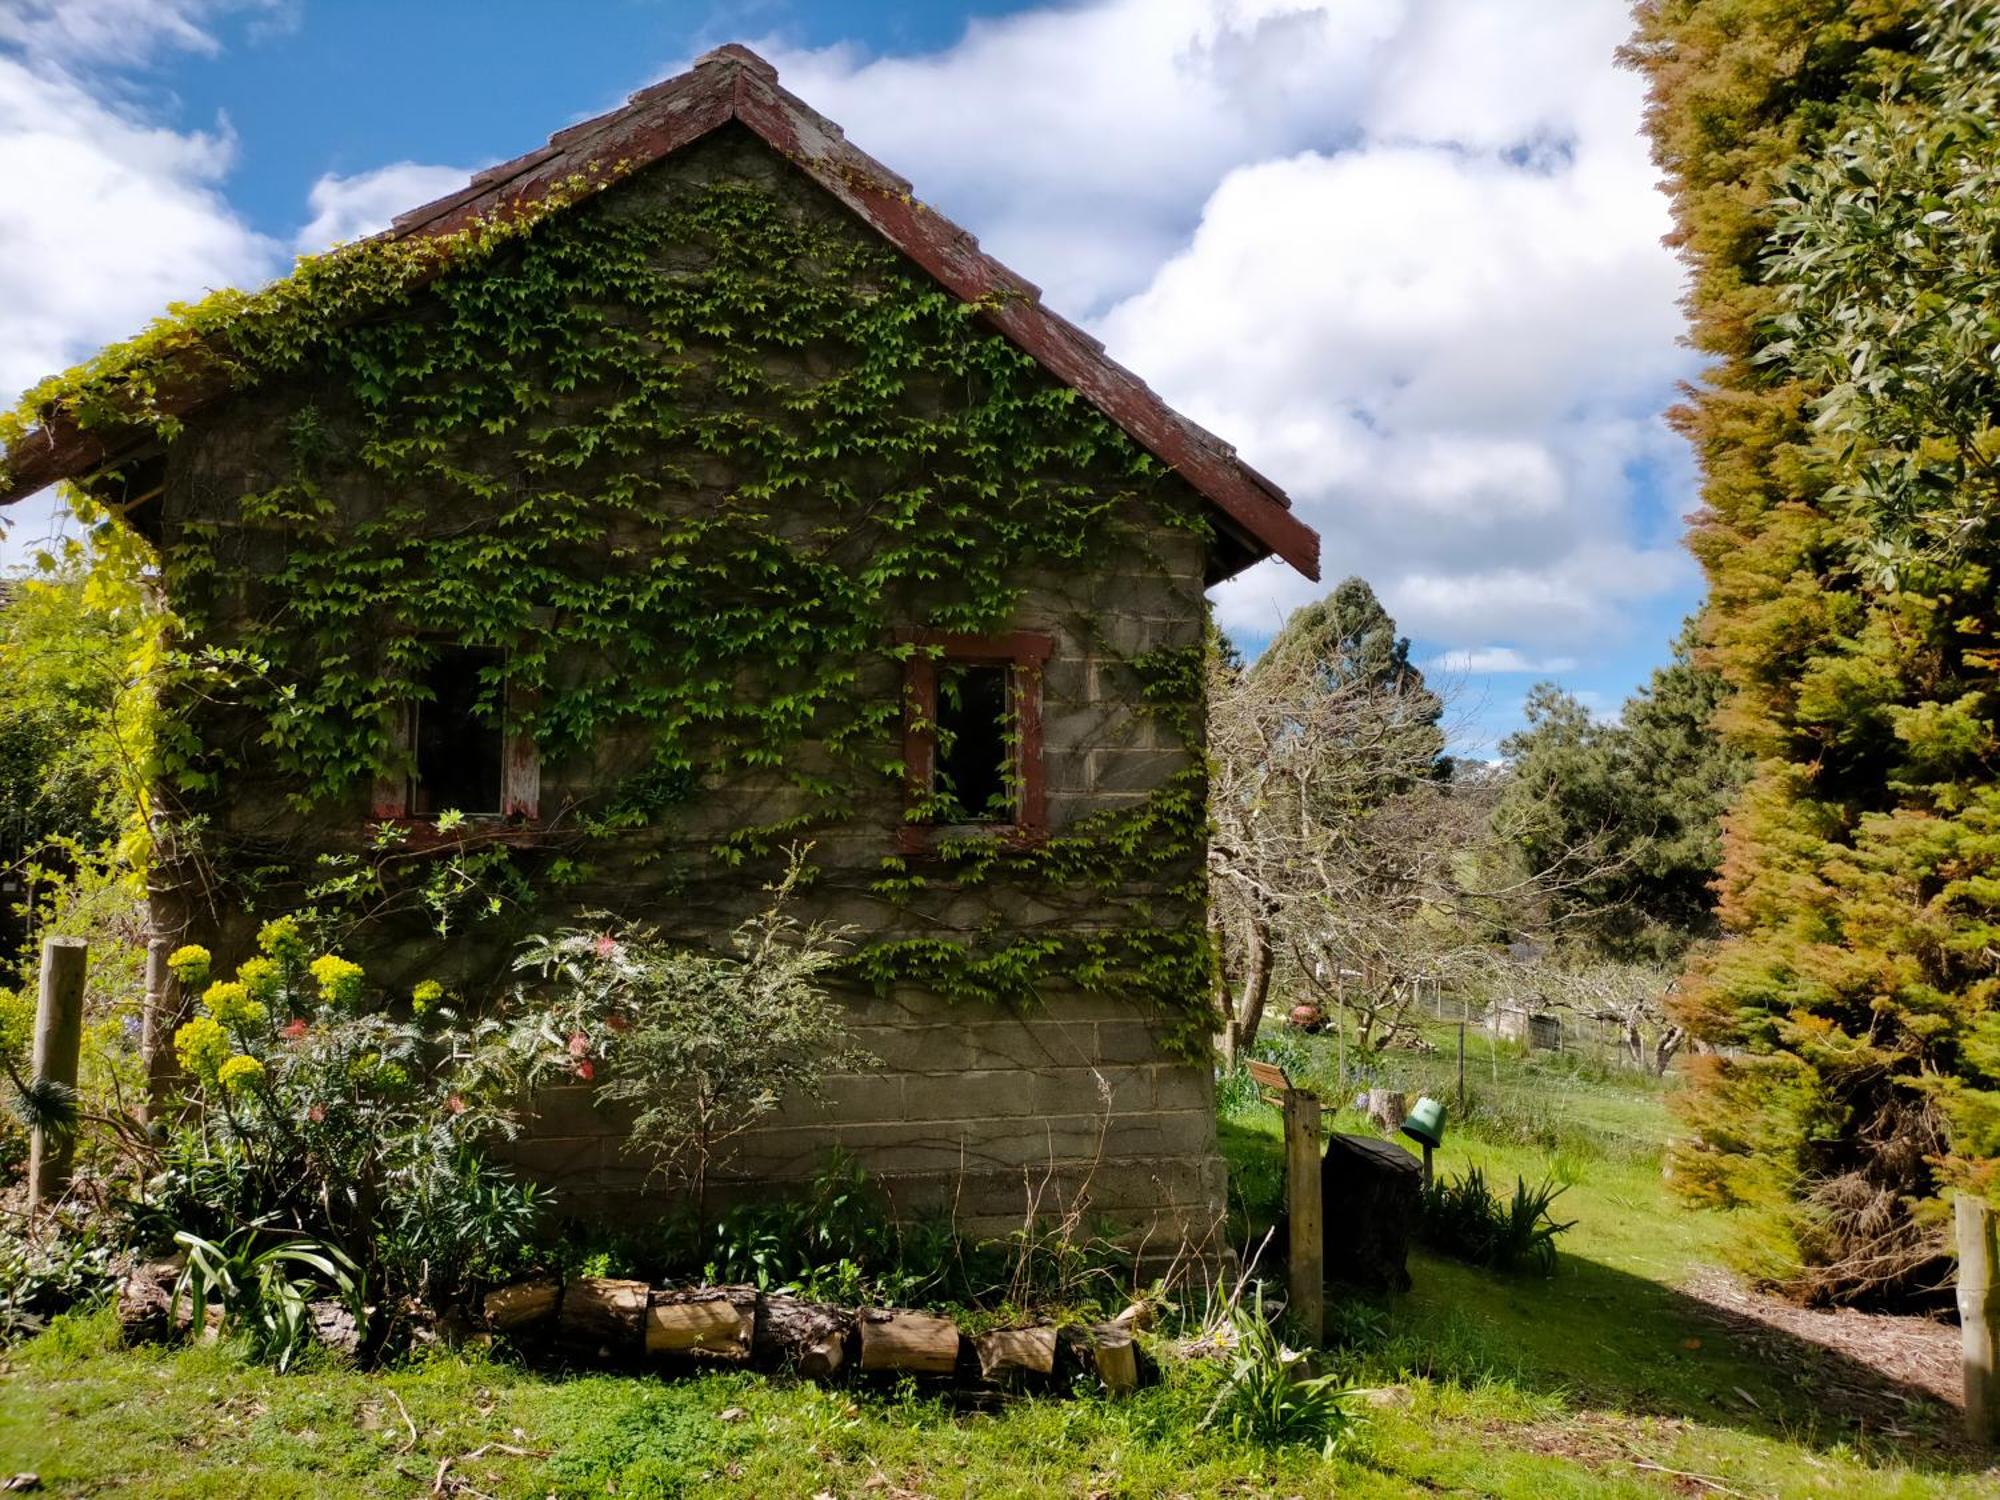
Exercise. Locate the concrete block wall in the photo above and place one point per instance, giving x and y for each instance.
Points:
(990, 1116)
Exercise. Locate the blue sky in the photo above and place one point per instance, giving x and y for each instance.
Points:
(1404, 253)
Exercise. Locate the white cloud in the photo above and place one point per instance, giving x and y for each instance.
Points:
(1499, 659)
(107, 216)
(1081, 140)
(348, 208)
(1404, 253)
(69, 32)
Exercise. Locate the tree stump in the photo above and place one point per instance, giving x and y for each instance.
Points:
(1016, 1351)
(807, 1335)
(517, 1306)
(1387, 1108)
(604, 1314)
(1117, 1356)
(719, 1322)
(1372, 1192)
(914, 1342)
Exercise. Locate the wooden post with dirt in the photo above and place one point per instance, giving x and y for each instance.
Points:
(1978, 1315)
(58, 1043)
(1306, 1281)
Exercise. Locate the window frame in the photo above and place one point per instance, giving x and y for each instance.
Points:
(1024, 653)
(520, 761)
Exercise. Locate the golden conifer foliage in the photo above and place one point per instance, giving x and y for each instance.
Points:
(1835, 166)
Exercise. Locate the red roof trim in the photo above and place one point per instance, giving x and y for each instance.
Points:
(733, 83)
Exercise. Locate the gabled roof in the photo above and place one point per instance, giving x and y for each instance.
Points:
(734, 83)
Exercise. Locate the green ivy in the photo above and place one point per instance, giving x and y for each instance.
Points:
(714, 440)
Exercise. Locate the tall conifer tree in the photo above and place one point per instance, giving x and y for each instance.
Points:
(1836, 167)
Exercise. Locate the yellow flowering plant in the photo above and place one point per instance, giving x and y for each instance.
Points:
(283, 940)
(262, 978)
(229, 1002)
(339, 980)
(202, 1047)
(239, 1072)
(189, 964)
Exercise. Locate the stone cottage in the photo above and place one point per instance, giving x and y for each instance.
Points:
(681, 494)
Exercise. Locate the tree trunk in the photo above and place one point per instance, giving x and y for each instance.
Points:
(1256, 982)
(515, 1306)
(1116, 1355)
(604, 1314)
(1665, 1048)
(1010, 1351)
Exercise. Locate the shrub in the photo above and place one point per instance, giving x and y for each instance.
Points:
(256, 1292)
(42, 1277)
(342, 1120)
(1267, 1398)
(1462, 1217)
(704, 1046)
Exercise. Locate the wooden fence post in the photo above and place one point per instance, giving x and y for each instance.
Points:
(1461, 1070)
(58, 1042)
(1978, 1314)
(1306, 1283)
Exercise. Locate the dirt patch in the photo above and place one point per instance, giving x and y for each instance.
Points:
(1916, 1359)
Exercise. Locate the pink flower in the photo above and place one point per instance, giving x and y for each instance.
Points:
(586, 1070)
(455, 1104)
(607, 945)
(294, 1029)
(579, 1044)
(317, 1114)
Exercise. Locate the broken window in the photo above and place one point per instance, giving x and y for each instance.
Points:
(972, 772)
(459, 735)
(972, 731)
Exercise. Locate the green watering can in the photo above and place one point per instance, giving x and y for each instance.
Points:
(1425, 1123)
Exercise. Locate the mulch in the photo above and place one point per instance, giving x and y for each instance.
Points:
(1883, 1364)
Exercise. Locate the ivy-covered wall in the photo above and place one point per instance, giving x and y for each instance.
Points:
(693, 452)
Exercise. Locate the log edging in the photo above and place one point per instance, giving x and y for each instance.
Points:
(609, 1318)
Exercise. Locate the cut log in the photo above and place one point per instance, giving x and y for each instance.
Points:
(1016, 1351)
(1139, 1315)
(915, 1342)
(806, 1335)
(1117, 1356)
(521, 1304)
(718, 1322)
(604, 1313)
(144, 1300)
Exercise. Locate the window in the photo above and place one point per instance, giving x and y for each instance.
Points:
(460, 750)
(972, 778)
(463, 754)
(972, 748)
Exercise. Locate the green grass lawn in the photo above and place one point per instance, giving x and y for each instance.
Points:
(1603, 1381)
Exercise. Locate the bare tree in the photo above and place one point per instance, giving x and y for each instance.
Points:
(1633, 997)
(1342, 864)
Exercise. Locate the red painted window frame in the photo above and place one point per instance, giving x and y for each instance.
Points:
(1024, 653)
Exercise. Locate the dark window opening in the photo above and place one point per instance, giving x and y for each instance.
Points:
(460, 740)
(970, 772)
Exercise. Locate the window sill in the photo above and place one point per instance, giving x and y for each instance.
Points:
(924, 838)
(420, 832)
